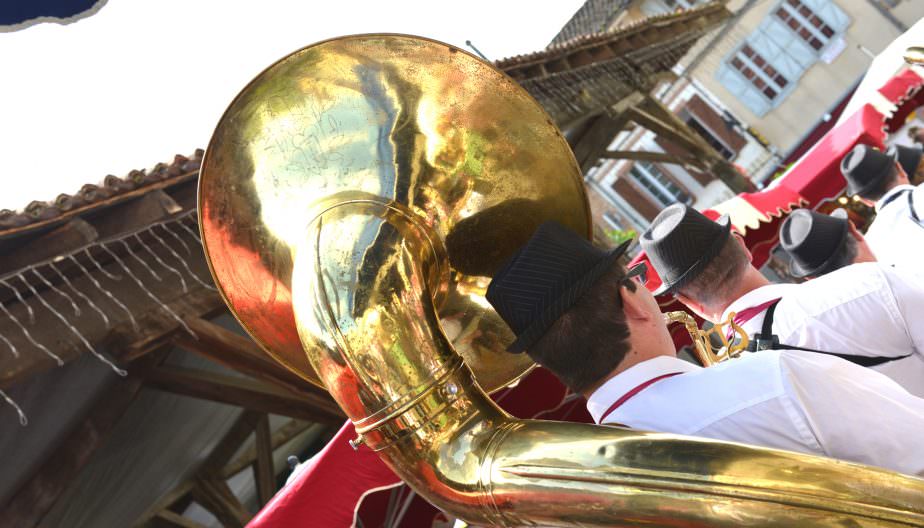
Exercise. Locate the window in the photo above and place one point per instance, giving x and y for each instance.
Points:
(758, 71)
(659, 185)
(713, 141)
(805, 23)
(769, 63)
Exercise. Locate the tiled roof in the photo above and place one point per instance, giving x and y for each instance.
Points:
(112, 190)
(593, 17)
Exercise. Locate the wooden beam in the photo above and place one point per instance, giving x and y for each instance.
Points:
(710, 159)
(215, 496)
(169, 519)
(644, 155)
(280, 437)
(38, 495)
(668, 131)
(232, 390)
(230, 443)
(263, 473)
(240, 353)
(164, 503)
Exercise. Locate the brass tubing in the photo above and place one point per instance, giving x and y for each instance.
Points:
(458, 450)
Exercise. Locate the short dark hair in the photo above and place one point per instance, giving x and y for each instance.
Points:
(878, 191)
(844, 256)
(592, 338)
(717, 277)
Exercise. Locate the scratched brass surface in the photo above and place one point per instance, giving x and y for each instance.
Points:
(411, 123)
(366, 255)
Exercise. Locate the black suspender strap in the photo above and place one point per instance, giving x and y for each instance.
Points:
(767, 340)
(910, 197)
(914, 214)
(894, 197)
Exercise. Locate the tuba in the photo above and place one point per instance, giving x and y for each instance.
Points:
(356, 197)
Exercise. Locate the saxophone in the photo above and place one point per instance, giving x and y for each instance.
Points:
(703, 348)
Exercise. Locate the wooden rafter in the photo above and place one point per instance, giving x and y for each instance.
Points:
(215, 496)
(644, 155)
(263, 473)
(243, 355)
(233, 390)
(169, 519)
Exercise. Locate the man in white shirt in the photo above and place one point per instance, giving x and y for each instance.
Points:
(868, 313)
(577, 312)
(896, 236)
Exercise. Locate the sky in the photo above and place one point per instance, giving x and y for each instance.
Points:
(143, 80)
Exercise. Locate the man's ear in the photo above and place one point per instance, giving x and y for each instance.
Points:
(854, 232)
(743, 244)
(632, 304)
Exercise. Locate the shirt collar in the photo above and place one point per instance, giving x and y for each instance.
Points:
(757, 297)
(632, 377)
(891, 192)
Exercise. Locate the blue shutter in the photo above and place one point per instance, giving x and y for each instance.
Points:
(742, 89)
(784, 51)
(830, 13)
(784, 39)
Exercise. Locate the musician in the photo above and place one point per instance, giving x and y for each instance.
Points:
(819, 243)
(867, 313)
(912, 162)
(577, 312)
(896, 236)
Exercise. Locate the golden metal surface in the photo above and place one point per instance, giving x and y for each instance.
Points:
(914, 56)
(413, 125)
(702, 344)
(377, 236)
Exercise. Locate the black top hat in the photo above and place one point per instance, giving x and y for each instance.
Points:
(865, 167)
(544, 279)
(681, 242)
(908, 158)
(813, 239)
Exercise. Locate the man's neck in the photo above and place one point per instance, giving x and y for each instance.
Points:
(752, 280)
(632, 358)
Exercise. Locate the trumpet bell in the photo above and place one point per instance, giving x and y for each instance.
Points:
(419, 127)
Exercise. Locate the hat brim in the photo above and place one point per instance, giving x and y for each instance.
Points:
(691, 272)
(852, 189)
(800, 271)
(565, 301)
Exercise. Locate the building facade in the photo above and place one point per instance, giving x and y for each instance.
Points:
(754, 89)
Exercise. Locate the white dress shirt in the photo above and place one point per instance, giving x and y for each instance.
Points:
(810, 403)
(894, 237)
(867, 309)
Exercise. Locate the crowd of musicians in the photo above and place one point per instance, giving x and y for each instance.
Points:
(835, 364)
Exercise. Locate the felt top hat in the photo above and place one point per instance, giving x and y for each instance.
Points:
(908, 158)
(681, 242)
(865, 167)
(544, 279)
(813, 239)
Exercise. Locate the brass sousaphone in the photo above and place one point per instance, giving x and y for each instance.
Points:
(355, 199)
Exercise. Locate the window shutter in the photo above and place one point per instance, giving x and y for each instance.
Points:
(785, 51)
(742, 89)
(784, 39)
(829, 12)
